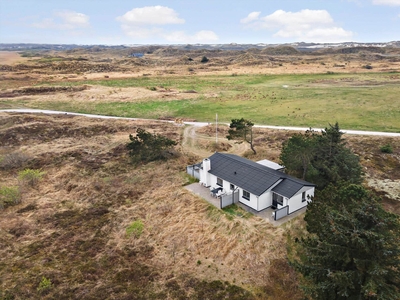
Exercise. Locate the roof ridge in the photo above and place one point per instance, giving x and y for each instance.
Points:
(255, 166)
(263, 168)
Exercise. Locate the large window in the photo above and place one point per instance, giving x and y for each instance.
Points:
(220, 181)
(246, 195)
(277, 199)
(303, 197)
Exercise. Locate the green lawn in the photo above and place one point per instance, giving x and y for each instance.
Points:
(365, 101)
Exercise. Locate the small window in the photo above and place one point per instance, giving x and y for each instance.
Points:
(232, 186)
(303, 197)
(219, 181)
(246, 195)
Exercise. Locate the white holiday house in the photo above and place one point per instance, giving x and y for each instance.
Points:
(259, 185)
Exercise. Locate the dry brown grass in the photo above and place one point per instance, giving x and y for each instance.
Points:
(71, 228)
(11, 57)
(79, 212)
(108, 64)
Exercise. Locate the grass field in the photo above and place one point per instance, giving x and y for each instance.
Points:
(363, 101)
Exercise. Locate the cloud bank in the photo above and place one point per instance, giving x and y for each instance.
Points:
(386, 2)
(64, 20)
(305, 25)
(151, 22)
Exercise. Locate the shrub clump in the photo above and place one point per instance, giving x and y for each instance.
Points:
(13, 160)
(9, 196)
(146, 147)
(387, 148)
(135, 229)
(30, 177)
(44, 285)
(204, 59)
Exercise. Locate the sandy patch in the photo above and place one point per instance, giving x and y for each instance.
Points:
(391, 187)
(10, 58)
(101, 93)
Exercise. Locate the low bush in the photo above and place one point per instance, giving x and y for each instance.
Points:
(13, 160)
(387, 148)
(30, 177)
(135, 229)
(146, 147)
(204, 59)
(44, 285)
(9, 196)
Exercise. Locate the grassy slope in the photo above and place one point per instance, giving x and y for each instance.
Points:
(365, 101)
(71, 227)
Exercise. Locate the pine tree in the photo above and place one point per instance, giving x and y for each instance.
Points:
(352, 249)
(146, 147)
(321, 158)
(242, 130)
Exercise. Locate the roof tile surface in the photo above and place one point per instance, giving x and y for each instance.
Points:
(253, 177)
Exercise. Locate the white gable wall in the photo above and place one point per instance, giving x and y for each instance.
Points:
(252, 202)
(296, 203)
(265, 200)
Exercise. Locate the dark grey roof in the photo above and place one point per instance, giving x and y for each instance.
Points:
(253, 177)
(288, 187)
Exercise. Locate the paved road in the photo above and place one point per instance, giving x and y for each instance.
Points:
(199, 124)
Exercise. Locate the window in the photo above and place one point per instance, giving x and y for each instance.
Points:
(246, 195)
(303, 197)
(277, 199)
(219, 181)
(232, 186)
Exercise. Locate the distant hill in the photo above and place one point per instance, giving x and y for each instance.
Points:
(301, 46)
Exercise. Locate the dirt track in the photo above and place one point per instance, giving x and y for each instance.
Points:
(204, 145)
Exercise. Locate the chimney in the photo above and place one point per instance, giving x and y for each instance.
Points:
(205, 178)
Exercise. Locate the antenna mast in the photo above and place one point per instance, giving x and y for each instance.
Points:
(216, 128)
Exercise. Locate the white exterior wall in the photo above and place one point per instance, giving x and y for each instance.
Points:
(265, 200)
(212, 180)
(296, 203)
(252, 202)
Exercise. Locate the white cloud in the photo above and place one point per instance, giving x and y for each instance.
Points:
(253, 16)
(140, 32)
(151, 15)
(64, 20)
(386, 2)
(305, 25)
(203, 36)
(73, 18)
(146, 23)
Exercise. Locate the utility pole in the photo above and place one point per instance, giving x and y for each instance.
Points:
(216, 129)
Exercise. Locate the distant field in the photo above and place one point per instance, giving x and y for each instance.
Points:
(364, 101)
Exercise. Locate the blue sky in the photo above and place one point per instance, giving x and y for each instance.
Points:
(190, 22)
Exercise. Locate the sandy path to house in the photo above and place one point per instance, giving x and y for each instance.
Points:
(192, 142)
